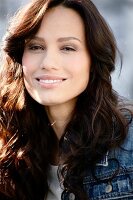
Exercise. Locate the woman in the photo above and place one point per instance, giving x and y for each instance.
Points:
(63, 133)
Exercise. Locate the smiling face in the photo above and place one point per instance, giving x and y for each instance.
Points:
(56, 62)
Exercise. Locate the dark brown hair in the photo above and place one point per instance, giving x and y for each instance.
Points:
(96, 126)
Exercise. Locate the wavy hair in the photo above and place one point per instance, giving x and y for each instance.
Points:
(25, 137)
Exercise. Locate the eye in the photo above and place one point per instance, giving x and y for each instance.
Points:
(35, 47)
(68, 48)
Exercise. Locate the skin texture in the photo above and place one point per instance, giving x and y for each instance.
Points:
(58, 54)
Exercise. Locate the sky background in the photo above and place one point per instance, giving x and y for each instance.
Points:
(119, 15)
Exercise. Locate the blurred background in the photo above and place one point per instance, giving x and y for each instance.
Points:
(119, 15)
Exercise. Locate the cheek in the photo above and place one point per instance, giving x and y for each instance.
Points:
(28, 73)
(28, 65)
(25, 65)
(25, 71)
(25, 59)
(82, 72)
(28, 61)
(81, 68)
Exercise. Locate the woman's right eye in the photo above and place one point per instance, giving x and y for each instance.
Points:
(35, 47)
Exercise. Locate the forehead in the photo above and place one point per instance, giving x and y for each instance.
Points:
(62, 20)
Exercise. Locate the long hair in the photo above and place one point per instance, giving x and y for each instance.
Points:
(97, 124)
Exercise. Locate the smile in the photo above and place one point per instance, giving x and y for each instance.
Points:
(50, 81)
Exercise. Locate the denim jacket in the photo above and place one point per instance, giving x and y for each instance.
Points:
(114, 175)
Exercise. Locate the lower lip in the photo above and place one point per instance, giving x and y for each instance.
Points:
(50, 85)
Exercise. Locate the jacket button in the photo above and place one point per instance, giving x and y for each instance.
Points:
(108, 188)
(71, 196)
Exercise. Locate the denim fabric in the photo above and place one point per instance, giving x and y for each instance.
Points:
(114, 174)
(117, 163)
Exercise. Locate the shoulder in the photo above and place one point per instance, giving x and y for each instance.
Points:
(114, 174)
(125, 150)
(128, 142)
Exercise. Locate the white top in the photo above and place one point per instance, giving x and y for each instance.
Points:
(55, 190)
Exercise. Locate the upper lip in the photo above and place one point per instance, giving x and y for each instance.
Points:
(49, 77)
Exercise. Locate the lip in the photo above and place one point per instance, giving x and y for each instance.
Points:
(50, 81)
(50, 77)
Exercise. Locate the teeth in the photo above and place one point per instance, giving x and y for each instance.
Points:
(50, 81)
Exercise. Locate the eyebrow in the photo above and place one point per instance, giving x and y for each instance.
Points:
(36, 38)
(65, 39)
(61, 39)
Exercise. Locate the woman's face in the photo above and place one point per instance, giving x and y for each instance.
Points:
(56, 62)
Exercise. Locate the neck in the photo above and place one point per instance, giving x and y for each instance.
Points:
(59, 116)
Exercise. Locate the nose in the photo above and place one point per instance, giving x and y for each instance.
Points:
(50, 61)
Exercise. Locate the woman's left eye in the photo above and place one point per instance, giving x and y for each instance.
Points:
(68, 48)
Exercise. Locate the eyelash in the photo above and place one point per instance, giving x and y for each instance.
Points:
(36, 47)
(68, 48)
